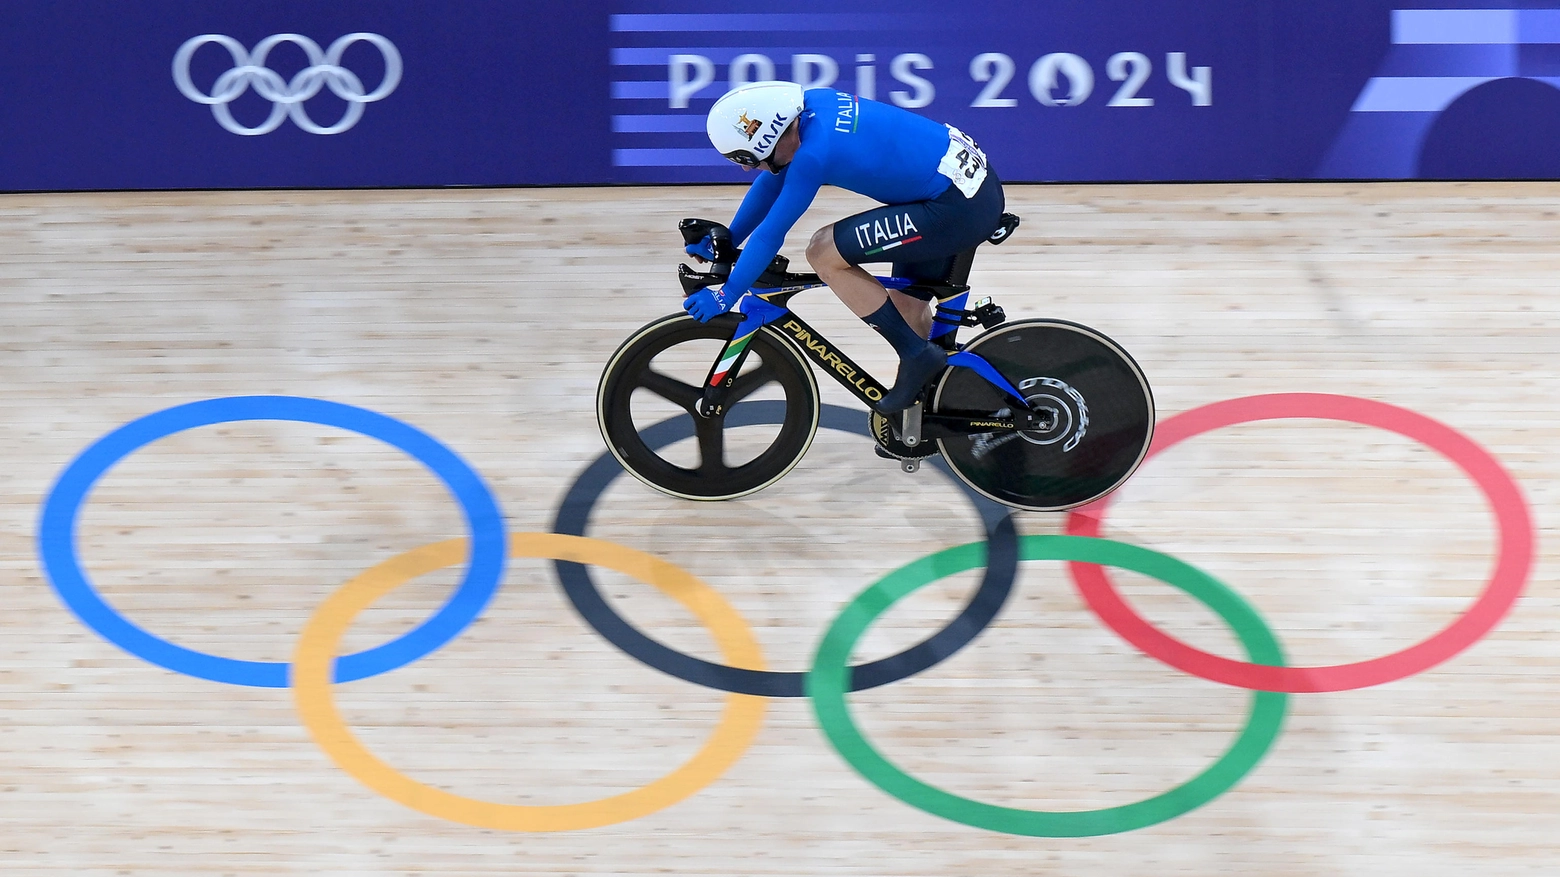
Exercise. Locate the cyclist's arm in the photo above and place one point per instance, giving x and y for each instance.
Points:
(756, 203)
(799, 186)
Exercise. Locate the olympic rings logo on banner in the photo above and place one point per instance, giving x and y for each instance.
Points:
(286, 97)
(316, 665)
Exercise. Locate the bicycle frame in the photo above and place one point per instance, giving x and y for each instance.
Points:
(827, 357)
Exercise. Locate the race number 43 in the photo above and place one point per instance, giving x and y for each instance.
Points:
(963, 163)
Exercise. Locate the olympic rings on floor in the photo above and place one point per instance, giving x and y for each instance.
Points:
(1515, 554)
(826, 685)
(574, 518)
(62, 565)
(743, 675)
(323, 633)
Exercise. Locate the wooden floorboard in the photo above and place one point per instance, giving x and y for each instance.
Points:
(483, 319)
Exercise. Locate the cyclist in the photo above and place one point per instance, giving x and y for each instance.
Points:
(940, 198)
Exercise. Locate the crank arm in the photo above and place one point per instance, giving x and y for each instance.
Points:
(910, 425)
(949, 424)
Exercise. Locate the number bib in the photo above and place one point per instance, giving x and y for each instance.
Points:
(964, 163)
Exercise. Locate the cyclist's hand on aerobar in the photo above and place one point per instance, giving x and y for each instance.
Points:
(708, 303)
(704, 250)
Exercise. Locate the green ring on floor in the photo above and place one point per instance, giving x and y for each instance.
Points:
(829, 680)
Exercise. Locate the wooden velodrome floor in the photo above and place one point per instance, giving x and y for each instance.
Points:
(482, 318)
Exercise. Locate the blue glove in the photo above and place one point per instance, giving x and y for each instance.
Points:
(708, 303)
(704, 249)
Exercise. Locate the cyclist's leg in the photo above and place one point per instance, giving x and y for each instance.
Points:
(858, 289)
(919, 359)
(854, 286)
(916, 311)
(921, 237)
(917, 308)
(910, 233)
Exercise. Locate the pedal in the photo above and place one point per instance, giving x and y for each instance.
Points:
(910, 426)
(909, 465)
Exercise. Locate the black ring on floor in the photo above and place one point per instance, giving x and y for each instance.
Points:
(574, 518)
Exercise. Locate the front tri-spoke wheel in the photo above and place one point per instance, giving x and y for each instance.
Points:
(655, 381)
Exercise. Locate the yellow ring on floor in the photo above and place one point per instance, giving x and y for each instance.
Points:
(321, 638)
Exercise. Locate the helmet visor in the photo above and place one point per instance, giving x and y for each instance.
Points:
(744, 158)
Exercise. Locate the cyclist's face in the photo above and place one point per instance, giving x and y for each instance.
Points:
(784, 151)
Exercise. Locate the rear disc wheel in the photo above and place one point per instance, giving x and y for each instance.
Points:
(1099, 425)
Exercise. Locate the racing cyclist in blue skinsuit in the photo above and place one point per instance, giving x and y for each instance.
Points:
(940, 198)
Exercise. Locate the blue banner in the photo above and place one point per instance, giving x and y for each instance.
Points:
(489, 92)
(182, 94)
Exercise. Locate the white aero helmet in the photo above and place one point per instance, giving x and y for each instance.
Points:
(747, 122)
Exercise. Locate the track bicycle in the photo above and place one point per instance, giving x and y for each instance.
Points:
(1037, 414)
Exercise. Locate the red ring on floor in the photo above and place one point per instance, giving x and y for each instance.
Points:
(1514, 558)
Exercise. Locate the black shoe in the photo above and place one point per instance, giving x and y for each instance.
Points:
(913, 375)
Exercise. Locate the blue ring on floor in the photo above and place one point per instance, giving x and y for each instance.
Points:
(62, 565)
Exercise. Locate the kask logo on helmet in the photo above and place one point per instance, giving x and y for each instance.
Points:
(287, 97)
(776, 125)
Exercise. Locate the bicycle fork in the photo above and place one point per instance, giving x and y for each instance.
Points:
(724, 371)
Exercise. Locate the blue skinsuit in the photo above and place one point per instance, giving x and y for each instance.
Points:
(870, 148)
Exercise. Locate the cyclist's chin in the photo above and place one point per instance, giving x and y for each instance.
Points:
(775, 168)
